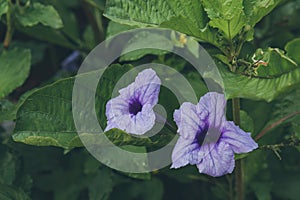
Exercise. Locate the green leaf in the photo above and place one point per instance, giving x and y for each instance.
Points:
(14, 69)
(39, 13)
(227, 16)
(101, 186)
(12, 193)
(255, 88)
(139, 39)
(255, 10)
(147, 190)
(7, 167)
(44, 33)
(276, 63)
(187, 17)
(46, 119)
(247, 123)
(114, 28)
(3, 8)
(8, 110)
(274, 74)
(293, 49)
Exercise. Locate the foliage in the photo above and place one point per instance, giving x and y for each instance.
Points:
(255, 45)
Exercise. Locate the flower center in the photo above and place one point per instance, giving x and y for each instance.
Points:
(202, 132)
(135, 107)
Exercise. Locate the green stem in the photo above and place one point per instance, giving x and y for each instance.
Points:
(277, 123)
(10, 29)
(239, 176)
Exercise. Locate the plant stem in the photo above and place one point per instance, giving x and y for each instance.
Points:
(10, 29)
(239, 177)
(271, 126)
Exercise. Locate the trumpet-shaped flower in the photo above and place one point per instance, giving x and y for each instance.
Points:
(206, 139)
(132, 111)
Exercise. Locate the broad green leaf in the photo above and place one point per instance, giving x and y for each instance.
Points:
(154, 12)
(3, 7)
(293, 49)
(12, 193)
(144, 37)
(14, 69)
(274, 73)
(39, 13)
(255, 88)
(255, 10)
(186, 16)
(45, 118)
(227, 16)
(44, 33)
(114, 28)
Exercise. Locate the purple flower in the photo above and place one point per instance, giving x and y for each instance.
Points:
(206, 138)
(132, 111)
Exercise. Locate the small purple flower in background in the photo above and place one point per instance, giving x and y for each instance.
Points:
(206, 138)
(132, 111)
(71, 63)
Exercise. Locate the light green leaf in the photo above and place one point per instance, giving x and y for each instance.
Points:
(114, 28)
(227, 16)
(14, 69)
(293, 49)
(144, 37)
(255, 10)
(3, 8)
(39, 13)
(186, 16)
(237, 85)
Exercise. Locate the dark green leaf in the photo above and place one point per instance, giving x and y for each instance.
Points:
(8, 110)
(14, 69)
(7, 167)
(39, 13)
(12, 193)
(101, 186)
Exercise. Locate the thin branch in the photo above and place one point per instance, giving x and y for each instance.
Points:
(273, 125)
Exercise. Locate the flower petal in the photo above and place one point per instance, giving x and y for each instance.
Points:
(146, 88)
(144, 91)
(218, 162)
(239, 140)
(188, 120)
(183, 152)
(215, 103)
